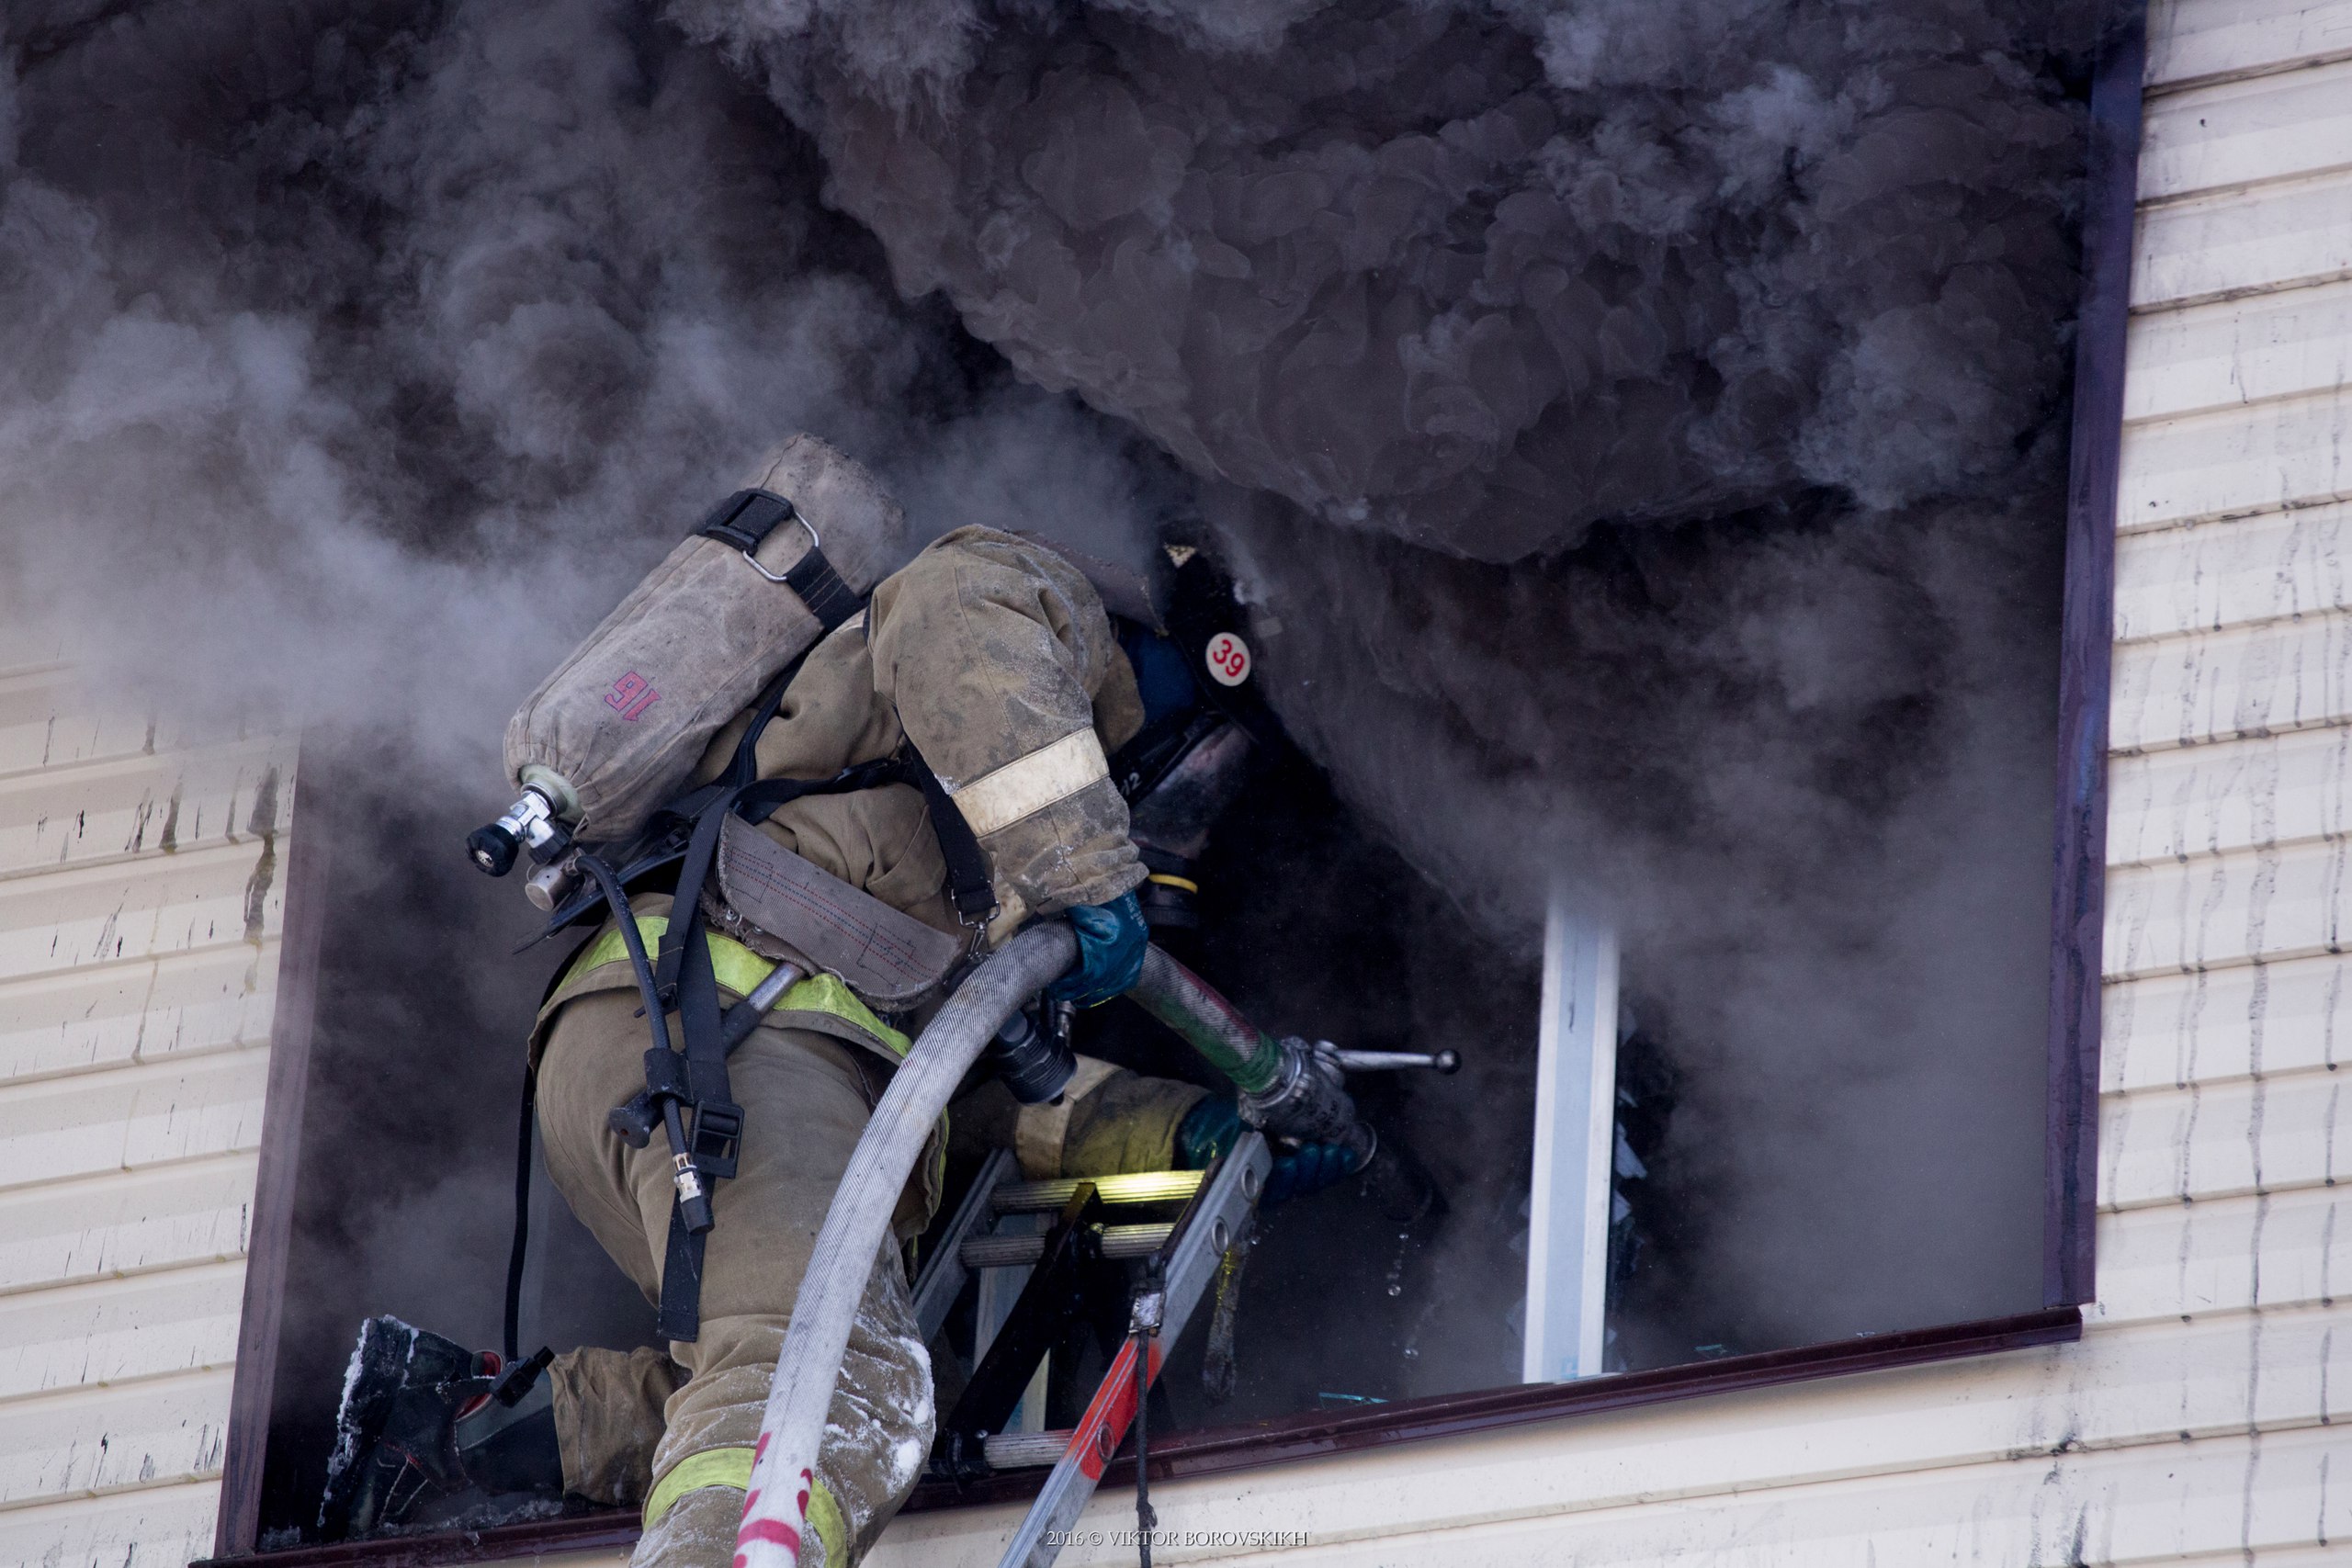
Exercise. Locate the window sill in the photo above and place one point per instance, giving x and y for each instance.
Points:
(1311, 1435)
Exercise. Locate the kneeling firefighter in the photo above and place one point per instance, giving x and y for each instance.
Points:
(814, 807)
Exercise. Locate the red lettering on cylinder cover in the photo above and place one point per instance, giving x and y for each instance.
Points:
(631, 695)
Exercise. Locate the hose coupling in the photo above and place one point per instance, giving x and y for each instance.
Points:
(1308, 1101)
(694, 1199)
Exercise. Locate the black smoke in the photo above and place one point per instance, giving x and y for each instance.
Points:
(1636, 426)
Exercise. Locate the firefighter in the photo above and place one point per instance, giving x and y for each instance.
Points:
(996, 658)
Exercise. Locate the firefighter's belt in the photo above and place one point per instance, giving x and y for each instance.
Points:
(882, 953)
(739, 970)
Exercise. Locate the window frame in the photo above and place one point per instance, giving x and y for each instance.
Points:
(2070, 1195)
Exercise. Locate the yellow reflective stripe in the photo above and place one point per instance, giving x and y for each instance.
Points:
(1028, 784)
(740, 970)
(831, 1529)
(712, 1467)
(1164, 880)
(732, 1468)
(826, 993)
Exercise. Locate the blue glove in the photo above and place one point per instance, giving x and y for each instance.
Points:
(1215, 1125)
(1111, 943)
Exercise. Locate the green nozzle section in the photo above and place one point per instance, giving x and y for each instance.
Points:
(1211, 1025)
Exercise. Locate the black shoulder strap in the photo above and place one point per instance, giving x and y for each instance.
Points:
(684, 978)
(745, 520)
(971, 886)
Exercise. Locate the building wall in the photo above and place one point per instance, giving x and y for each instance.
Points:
(139, 913)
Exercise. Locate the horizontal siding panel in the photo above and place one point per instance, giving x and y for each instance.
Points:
(162, 1527)
(2223, 246)
(115, 1330)
(2213, 576)
(2236, 133)
(141, 1115)
(2225, 909)
(2231, 686)
(124, 1223)
(46, 721)
(2207, 1140)
(170, 903)
(2223, 1255)
(2328, 1556)
(26, 647)
(2193, 39)
(96, 1440)
(181, 1006)
(131, 806)
(2204, 800)
(2140, 1506)
(2209, 1025)
(2236, 351)
(2236, 462)
(1586, 1492)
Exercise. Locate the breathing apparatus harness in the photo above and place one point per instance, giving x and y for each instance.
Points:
(686, 1093)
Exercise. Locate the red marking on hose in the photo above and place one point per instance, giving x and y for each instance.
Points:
(775, 1532)
(760, 1450)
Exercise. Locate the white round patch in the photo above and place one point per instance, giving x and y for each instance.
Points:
(1228, 660)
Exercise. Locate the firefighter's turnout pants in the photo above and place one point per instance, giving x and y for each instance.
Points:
(674, 1433)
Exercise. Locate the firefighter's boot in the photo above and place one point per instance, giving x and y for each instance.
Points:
(429, 1429)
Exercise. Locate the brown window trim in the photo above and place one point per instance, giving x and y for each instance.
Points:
(2078, 895)
(2078, 888)
(270, 1236)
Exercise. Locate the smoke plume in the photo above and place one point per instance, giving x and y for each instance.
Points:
(1636, 426)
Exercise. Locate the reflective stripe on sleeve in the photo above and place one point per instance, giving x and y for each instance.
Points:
(1028, 784)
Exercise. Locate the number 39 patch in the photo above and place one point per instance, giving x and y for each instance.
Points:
(1228, 660)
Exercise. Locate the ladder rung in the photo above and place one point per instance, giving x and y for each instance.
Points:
(1144, 1187)
(1024, 1450)
(1011, 1251)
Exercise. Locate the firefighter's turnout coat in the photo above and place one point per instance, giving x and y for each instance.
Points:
(995, 658)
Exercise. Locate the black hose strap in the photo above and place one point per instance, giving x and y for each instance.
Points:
(1146, 1520)
(514, 1337)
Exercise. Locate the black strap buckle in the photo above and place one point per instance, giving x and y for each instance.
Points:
(717, 1138)
(746, 518)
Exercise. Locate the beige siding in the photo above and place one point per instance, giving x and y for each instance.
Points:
(2192, 1423)
(141, 905)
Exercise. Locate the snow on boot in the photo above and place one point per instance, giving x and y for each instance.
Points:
(426, 1423)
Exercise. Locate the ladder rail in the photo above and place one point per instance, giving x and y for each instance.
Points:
(944, 1272)
(1216, 1218)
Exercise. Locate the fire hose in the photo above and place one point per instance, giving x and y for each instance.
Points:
(1287, 1087)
